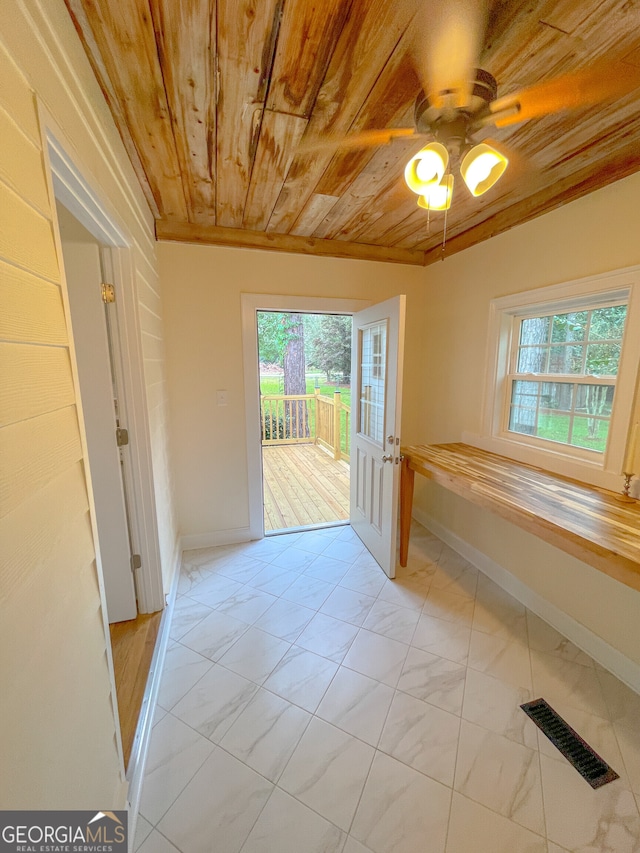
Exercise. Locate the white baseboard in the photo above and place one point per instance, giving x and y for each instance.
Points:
(607, 656)
(219, 537)
(142, 739)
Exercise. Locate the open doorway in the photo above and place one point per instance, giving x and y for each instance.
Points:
(305, 409)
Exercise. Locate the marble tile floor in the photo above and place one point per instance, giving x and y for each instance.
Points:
(310, 705)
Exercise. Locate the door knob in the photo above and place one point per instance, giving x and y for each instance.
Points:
(387, 458)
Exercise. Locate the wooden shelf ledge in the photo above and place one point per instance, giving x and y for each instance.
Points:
(585, 521)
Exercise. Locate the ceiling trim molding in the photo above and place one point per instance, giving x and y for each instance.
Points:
(186, 232)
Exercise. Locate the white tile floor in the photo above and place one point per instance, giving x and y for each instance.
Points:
(310, 705)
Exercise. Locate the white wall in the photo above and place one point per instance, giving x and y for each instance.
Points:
(595, 234)
(58, 728)
(201, 287)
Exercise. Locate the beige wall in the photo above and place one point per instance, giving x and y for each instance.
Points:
(598, 233)
(57, 726)
(201, 287)
(447, 311)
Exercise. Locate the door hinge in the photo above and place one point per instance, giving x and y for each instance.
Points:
(108, 293)
(122, 437)
(136, 562)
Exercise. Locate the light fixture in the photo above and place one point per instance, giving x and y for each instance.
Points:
(438, 196)
(426, 168)
(482, 167)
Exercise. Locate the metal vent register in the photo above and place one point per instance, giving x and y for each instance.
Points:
(577, 751)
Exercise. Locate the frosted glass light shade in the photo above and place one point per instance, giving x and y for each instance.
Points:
(482, 167)
(426, 168)
(438, 196)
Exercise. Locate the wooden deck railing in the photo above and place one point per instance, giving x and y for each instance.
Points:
(306, 419)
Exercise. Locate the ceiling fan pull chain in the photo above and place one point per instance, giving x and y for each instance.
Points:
(444, 234)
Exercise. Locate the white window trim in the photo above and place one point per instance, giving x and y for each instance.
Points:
(602, 470)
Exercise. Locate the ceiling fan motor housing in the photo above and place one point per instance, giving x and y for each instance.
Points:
(450, 124)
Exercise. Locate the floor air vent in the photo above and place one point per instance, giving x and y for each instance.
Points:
(587, 762)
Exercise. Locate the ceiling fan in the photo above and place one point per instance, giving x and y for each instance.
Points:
(458, 100)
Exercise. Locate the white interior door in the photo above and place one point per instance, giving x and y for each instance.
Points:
(376, 376)
(83, 275)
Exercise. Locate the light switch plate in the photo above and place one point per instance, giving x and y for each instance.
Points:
(222, 398)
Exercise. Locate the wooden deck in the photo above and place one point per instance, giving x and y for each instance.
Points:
(303, 486)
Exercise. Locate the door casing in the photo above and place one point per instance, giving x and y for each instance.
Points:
(69, 185)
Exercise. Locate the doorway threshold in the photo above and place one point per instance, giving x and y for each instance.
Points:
(305, 528)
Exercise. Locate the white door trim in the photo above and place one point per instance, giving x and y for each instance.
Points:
(69, 184)
(252, 303)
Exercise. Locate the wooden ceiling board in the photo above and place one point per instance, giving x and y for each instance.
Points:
(186, 40)
(318, 207)
(243, 29)
(364, 200)
(308, 35)
(214, 97)
(370, 35)
(382, 171)
(389, 104)
(615, 23)
(125, 37)
(83, 27)
(280, 134)
(517, 35)
(302, 45)
(414, 228)
(396, 207)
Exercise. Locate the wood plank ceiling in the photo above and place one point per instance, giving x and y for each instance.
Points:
(213, 97)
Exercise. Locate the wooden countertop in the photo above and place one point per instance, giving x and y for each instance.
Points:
(585, 521)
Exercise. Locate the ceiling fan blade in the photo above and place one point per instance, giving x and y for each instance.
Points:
(600, 82)
(364, 139)
(447, 41)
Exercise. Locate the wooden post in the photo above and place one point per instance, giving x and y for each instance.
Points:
(407, 476)
(316, 392)
(337, 402)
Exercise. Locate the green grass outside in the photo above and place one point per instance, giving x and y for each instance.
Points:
(555, 426)
(274, 385)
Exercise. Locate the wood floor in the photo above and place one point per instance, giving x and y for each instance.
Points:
(132, 644)
(303, 486)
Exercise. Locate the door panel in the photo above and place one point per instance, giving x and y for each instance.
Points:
(359, 475)
(82, 271)
(377, 493)
(378, 344)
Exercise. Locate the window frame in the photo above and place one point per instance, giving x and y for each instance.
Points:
(600, 468)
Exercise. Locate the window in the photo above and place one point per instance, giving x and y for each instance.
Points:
(377, 365)
(563, 369)
(373, 347)
(562, 376)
